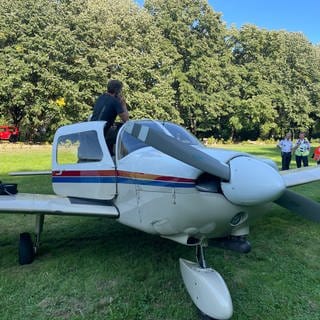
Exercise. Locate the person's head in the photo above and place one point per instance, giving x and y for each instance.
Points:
(288, 135)
(302, 135)
(114, 87)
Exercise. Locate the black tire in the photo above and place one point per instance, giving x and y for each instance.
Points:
(13, 138)
(26, 251)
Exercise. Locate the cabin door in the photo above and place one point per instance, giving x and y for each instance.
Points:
(81, 163)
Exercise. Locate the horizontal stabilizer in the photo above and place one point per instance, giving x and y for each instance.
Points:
(55, 205)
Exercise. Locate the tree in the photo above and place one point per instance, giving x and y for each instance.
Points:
(57, 56)
(177, 59)
(279, 73)
(41, 66)
(201, 71)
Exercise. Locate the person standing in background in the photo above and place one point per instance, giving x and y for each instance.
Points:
(285, 145)
(302, 150)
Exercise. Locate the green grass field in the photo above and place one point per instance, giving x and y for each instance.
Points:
(95, 268)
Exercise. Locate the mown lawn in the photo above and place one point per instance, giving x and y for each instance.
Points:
(95, 268)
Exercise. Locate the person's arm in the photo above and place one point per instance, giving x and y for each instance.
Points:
(295, 147)
(124, 116)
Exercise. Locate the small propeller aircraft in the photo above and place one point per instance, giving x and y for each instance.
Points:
(160, 179)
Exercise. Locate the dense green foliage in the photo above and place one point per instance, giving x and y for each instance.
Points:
(178, 61)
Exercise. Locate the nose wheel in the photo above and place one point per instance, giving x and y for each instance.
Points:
(205, 316)
(206, 288)
(202, 263)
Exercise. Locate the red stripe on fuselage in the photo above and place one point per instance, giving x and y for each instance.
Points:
(84, 173)
(113, 173)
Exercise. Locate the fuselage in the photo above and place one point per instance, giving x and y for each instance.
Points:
(153, 192)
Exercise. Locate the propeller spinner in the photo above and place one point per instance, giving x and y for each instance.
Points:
(252, 182)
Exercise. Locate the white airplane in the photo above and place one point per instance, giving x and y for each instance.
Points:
(163, 181)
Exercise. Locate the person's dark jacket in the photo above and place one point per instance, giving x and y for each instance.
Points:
(106, 108)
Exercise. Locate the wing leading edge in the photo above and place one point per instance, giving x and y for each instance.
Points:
(55, 205)
(299, 176)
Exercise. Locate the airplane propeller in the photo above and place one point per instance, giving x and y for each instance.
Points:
(303, 206)
(245, 181)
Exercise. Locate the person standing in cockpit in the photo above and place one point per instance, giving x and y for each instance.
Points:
(110, 104)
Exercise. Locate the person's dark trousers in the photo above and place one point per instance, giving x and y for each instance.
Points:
(303, 159)
(286, 159)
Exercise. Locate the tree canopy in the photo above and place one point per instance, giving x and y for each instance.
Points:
(177, 59)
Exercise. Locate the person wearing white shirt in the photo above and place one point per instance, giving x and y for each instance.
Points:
(285, 145)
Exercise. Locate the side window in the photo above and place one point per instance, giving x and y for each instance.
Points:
(79, 147)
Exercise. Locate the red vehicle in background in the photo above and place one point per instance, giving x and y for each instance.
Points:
(10, 133)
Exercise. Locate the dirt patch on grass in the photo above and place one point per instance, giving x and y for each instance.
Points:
(10, 147)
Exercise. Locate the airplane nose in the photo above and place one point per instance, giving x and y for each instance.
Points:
(252, 182)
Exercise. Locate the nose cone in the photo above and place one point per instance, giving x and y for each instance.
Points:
(252, 182)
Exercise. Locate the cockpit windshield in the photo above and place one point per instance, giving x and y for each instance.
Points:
(181, 134)
(127, 143)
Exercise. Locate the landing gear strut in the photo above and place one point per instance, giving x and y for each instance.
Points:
(28, 249)
(206, 288)
(200, 256)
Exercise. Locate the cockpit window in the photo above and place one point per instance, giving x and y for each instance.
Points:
(128, 143)
(181, 134)
(79, 147)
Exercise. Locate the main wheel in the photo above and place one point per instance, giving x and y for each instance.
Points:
(26, 251)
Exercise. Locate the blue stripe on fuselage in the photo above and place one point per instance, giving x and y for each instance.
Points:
(101, 179)
(84, 179)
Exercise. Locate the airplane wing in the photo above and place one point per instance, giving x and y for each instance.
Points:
(56, 205)
(31, 173)
(299, 176)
